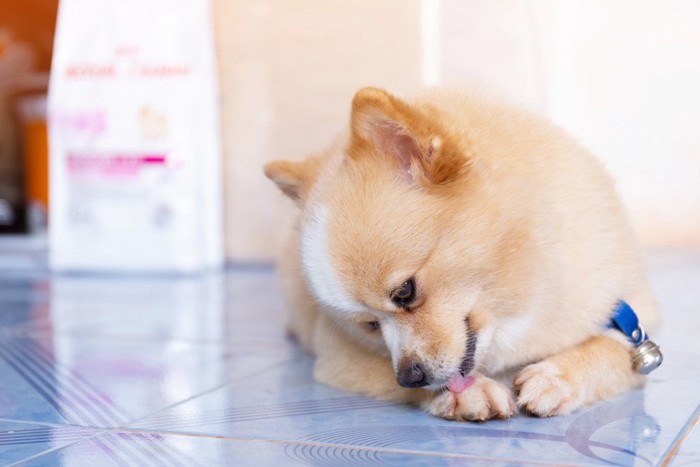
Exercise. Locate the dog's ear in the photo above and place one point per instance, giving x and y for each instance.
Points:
(420, 148)
(295, 179)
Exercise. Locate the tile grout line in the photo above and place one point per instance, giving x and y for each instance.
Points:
(116, 453)
(134, 447)
(675, 445)
(101, 403)
(28, 333)
(126, 429)
(86, 410)
(137, 446)
(51, 424)
(342, 446)
(309, 407)
(102, 431)
(105, 433)
(35, 377)
(125, 426)
(170, 451)
(88, 406)
(57, 448)
(142, 444)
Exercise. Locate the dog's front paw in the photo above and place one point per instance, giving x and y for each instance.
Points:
(484, 400)
(543, 390)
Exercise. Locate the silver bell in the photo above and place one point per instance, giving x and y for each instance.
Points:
(646, 357)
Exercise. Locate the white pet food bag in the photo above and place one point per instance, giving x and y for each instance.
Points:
(134, 138)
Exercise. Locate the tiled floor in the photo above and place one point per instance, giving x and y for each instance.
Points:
(197, 371)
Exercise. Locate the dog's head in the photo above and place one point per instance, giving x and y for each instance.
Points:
(394, 231)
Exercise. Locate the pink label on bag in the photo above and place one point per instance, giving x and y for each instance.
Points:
(112, 165)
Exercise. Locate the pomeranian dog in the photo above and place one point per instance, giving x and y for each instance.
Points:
(450, 245)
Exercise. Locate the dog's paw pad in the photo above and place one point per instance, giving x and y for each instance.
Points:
(543, 390)
(484, 400)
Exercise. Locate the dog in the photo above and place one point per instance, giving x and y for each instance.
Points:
(451, 244)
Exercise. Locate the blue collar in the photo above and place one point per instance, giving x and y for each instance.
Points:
(625, 320)
(646, 356)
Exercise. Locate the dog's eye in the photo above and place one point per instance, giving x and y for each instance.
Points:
(372, 325)
(404, 295)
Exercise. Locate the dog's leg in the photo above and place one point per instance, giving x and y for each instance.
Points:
(483, 400)
(593, 370)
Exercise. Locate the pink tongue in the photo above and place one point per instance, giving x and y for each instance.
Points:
(458, 382)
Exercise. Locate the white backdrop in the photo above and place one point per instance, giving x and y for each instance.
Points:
(623, 77)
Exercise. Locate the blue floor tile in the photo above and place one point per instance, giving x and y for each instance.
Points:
(106, 383)
(198, 371)
(21, 440)
(146, 449)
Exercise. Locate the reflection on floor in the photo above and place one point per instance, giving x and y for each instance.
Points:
(102, 371)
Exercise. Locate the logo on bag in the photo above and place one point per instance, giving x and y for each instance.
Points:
(125, 62)
(91, 70)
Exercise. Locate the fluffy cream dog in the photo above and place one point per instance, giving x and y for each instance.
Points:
(448, 240)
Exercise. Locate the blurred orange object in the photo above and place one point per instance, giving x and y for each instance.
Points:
(36, 150)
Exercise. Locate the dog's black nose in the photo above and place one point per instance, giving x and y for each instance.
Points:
(411, 376)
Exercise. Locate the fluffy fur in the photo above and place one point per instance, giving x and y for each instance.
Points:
(515, 238)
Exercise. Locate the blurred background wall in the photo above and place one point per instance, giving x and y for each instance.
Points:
(26, 40)
(621, 76)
